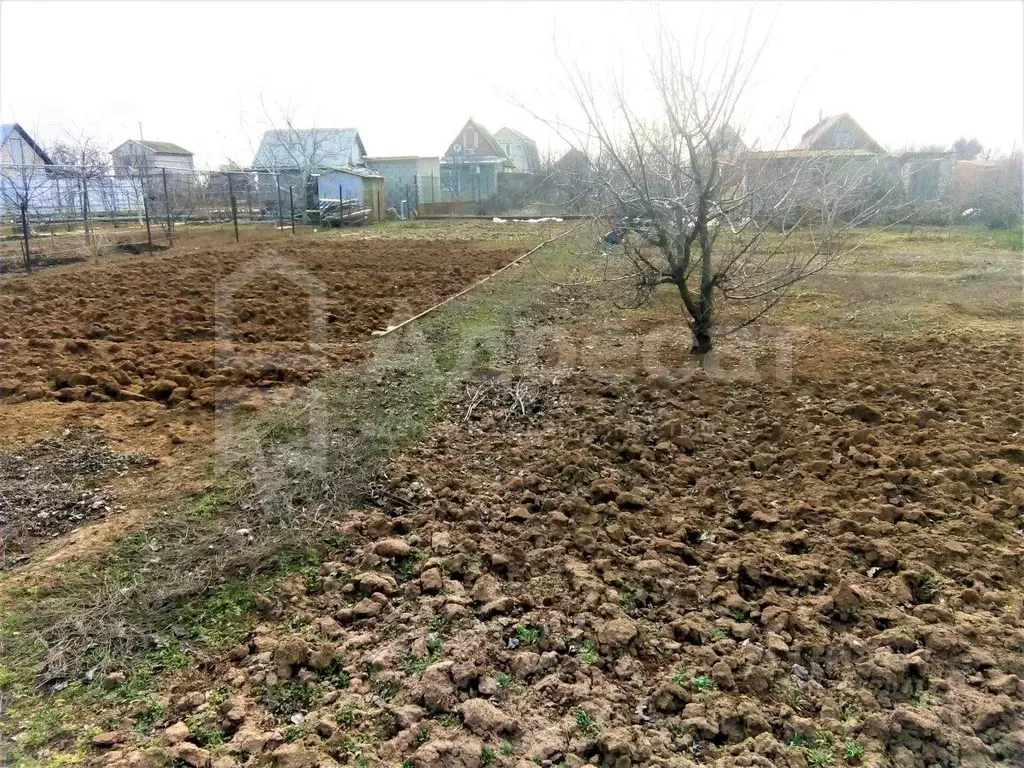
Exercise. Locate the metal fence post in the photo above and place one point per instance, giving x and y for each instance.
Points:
(341, 207)
(167, 209)
(234, 205)
(291, 205)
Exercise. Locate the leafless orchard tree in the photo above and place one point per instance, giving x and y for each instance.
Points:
(718, 220)
(21, 187)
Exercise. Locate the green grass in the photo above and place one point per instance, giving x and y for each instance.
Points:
(703, 683)
(589, 653)
(853, 750)
(504, 679)
(527, 634)
(584, 721)
(820, 756)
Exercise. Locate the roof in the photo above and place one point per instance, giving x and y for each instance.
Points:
(821, 134)
(354, 170)
(6, 129)
(486, 141)
(332, 145)
(398, 158)
(165, 147)
(515, 134)
(810, 153)
(160, 147)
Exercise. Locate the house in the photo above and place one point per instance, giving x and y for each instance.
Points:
(285, 156)
(521, 150)
(134, 155)
(351, 182)
(927, 175)
(18, 148)
(412, 178)
(471, 165)
(838, 132)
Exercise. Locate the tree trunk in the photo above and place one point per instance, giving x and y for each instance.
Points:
(702, 323)
(24, 230)
(701, 340)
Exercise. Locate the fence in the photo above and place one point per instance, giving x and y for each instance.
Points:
(53, 214)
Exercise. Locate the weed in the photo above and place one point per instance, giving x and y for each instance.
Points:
(527, 634)
(151, 714)
(798, 740)
(703, 683)
(584, 721)
(435, 651)
(507, 748)
(218, 695)
(847, 712)
(680, 676)
(386, 689)
(738, 614)
(449, 721)
(287, 697)
(718, 634)
(407, 565)
(439, 624)
(820, 756)
(487, 755)
(504, 679)
(589, 653)
(336, 674)
(346, 716)
(853, 750)
(204, 730)
(422, 736)
(362, 761)
(408, 764)
(823, 738)
(922, 701)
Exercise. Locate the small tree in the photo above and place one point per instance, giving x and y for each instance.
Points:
(966, 149)
(708, 206)
(23, 186)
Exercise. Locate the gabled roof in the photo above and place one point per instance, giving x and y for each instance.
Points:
(6, 129)
(821, 135)
(486, 141)
(514, 134)
(160, 147)
(333, 147)
(533, 156)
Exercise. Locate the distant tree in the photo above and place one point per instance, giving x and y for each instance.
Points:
(966, 149)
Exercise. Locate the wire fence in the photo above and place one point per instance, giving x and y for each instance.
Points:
(51, 214)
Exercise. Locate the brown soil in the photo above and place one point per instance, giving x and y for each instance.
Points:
(144, 328)
(656, 570)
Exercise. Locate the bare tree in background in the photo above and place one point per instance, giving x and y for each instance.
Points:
(290, 152)
(709, 208)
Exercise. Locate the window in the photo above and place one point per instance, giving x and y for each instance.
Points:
(17, 151)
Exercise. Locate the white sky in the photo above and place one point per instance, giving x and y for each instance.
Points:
(409, 75)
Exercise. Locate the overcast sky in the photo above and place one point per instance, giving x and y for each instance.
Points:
(407, 76)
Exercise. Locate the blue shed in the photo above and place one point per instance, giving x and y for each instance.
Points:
(354, 183)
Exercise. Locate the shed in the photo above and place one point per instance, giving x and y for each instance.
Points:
(408, 177)
(353, 182)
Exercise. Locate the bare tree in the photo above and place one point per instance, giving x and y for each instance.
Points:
(24, 183)
(709, 208)
(290, 155)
